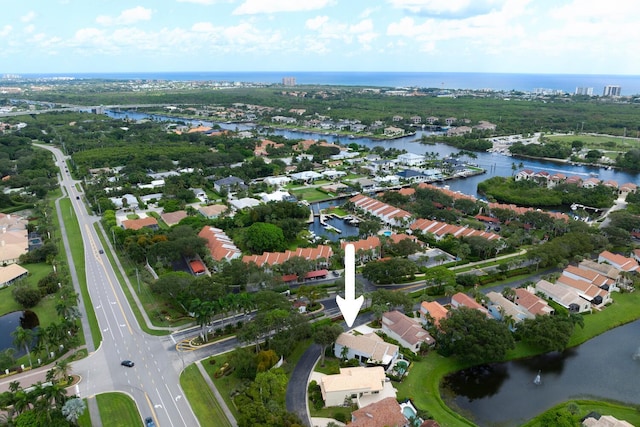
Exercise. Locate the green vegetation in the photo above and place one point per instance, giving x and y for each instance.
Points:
(118, 410)
(201, 398)
(574, 410)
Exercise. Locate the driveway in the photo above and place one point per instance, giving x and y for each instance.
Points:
(297, 389)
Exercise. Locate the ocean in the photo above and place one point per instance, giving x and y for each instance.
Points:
(629, 84)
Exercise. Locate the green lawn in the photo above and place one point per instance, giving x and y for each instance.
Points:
(598, 142)
(201, 398)
(309, 194)
(584, 407)
(77, 252)
(85, 419)
(118, 410)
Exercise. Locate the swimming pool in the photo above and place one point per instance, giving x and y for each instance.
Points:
(387, 233)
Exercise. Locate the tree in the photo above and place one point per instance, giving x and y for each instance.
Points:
(473, 338)
(25, 295)
(264, 237)
(548, 333)
(326, 335)
(312, 293)
(23, 338)
(73, 409)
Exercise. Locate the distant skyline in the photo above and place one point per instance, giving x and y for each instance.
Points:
(492, 36)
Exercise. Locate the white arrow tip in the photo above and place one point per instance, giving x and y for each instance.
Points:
(349, 308)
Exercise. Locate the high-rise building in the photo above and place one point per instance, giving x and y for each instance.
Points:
(612, 90)
(584, 91)
(288, 81)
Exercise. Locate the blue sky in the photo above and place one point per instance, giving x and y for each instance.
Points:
(512, 36)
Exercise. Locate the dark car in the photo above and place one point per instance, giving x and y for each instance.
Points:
(101, 251)
(148, 422)
(77, 197)
(127, 363)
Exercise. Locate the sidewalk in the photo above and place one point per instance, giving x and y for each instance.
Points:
(221, 402)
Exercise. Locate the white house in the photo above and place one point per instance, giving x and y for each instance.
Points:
(410, 159)
(566, 297)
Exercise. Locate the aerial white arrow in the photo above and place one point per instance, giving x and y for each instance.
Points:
(349, 305)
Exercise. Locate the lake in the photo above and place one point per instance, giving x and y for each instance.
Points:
(505, 395)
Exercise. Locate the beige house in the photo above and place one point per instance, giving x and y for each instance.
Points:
(367, 348)
(14, 239)
(351, 383)
(11, 273)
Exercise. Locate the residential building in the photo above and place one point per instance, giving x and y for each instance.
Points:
(319, 254)
(620, 262)
(500, 307)
(173, 218)
(590, 276)
(351, 383)
(441, 229)
(406, 330)
(385, 413)
(244, 203)
(137, 224)
(229, 184)
(220, 246)
(410, 159)
(463, 300)
(200, 194)
(393, 132)
(595, 420)
(212, 211)
(14, 238)
(612, 90)
(607, 270)
(533, 304)
(390, 215)
(565, 296)
(12, 273)
(432, 312)
(368, 349)
(595, 295)
(366, 249)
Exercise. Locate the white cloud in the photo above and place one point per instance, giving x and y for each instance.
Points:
(29, 29)
(317, 22)
(252, 7)
(6, 30)
(126, 17)
(448, 8)
(28, 17)
(205, 2)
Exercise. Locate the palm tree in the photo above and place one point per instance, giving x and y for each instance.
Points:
(63, 369)
(23, 338)
(73, 409)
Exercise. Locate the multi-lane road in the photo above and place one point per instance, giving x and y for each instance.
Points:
(153, 382)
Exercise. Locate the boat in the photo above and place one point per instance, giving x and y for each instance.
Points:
(537, 380)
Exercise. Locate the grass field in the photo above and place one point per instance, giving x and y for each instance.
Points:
(202, 400)
(598, 142)
(118, 410)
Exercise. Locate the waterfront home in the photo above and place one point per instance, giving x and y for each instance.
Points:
(220, 246)
(432, 312)
(406, 330)
(306, 177)
(14, 238)
(393, 132)
(388, 214)
(351, 383)
(244, 203)
(277, 181)
(367, 349)
(440, 229)
(410, 159)
(565, 296)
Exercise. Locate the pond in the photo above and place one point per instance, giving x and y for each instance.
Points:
(10, 321)
(604, 368)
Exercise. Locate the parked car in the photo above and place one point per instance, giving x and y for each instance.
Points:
(127, 363)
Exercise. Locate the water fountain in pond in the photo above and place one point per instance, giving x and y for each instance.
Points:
(537, 380)
(636, 355)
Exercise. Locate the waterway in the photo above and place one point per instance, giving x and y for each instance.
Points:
(505, 394)
(494, 164)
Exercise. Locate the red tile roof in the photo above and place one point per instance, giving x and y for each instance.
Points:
(272, 258)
